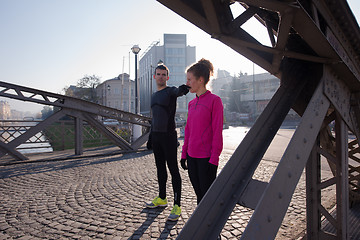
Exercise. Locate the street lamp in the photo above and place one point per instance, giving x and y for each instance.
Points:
(136, 49)
(137, 128)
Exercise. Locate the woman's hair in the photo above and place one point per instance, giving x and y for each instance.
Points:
(203, 68)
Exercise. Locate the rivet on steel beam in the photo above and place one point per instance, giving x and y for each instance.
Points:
(209, 223)
(297, 156)
(280, 195)
(289, 174)
(269, 219)
(305, 140)
(311, 126)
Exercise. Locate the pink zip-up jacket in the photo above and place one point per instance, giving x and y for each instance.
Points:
(203, 130)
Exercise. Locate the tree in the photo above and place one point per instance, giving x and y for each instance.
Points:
(46, 112)
(235, 103)
(234, 95)
(85, 88)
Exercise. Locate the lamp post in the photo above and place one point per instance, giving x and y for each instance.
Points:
(136, 49)
(150, 86)
(137, 128)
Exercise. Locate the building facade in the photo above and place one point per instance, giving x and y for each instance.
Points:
(118, 92)
(244, 96)
(177, 56)
(5, 110)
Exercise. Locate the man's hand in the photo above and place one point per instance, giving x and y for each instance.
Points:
(149, 142)
(183, 163)
(183, 89)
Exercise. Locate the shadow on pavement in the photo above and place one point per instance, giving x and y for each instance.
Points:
(167, 229)
(48, 166)
(151, 214)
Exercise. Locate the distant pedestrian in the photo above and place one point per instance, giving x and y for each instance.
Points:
(203, 140)
(163, 139)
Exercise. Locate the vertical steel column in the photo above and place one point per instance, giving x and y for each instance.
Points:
(342, 178)
(313, 193)
(78, 136)
(214, 209)
(271, 209)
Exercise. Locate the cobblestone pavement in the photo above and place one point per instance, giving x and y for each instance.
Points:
(103, 198)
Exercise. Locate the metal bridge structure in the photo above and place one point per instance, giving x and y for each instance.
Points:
(314, 50)
(81, 111)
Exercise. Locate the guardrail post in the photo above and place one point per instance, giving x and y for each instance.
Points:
(79, 136)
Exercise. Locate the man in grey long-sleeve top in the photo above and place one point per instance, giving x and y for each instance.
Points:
(163, 139)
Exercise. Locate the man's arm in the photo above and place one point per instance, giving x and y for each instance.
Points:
(183, 90)
(180, 91)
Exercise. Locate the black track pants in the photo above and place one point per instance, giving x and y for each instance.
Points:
(202, 174)
(165, 152)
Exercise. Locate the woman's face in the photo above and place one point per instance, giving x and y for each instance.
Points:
(193, 82)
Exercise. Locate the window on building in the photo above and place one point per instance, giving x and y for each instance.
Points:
(174, 51)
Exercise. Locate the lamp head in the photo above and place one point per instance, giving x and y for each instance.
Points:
(135, 49)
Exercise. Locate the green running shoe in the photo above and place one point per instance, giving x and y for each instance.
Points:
(157, 202)
(175, 213)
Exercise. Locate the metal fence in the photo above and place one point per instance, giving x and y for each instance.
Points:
(58, 136)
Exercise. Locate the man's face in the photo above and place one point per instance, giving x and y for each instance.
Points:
(161, 77)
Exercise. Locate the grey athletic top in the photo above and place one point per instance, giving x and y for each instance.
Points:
(163, 106)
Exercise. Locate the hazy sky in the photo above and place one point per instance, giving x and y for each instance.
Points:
(48, 45)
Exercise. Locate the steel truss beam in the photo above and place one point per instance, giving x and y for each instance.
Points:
(316, 26)
(338, 156)
(31, 132)
(305, 30)
(268, 217)
(228, 188)
(79, 109)
(234, 181)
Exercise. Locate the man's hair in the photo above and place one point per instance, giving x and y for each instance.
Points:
(162, 67)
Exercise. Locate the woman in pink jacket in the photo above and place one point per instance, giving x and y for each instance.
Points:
(203, 141)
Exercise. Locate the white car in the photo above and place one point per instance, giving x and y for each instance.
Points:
(111, 122)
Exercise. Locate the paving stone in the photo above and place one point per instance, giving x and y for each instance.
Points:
(103, 198)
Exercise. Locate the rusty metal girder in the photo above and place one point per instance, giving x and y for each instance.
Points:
(47, 98)
(31, 132)
(268, 216)
(81, 110)
(316, 25)
(213, 211)
(336, 227)
(302, 33)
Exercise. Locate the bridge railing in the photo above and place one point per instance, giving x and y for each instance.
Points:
(58, 136)
(82, 113)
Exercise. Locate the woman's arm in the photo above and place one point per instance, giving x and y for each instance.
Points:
(217, 117)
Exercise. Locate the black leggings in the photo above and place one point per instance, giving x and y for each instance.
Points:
(165, 151)
(202, 174)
